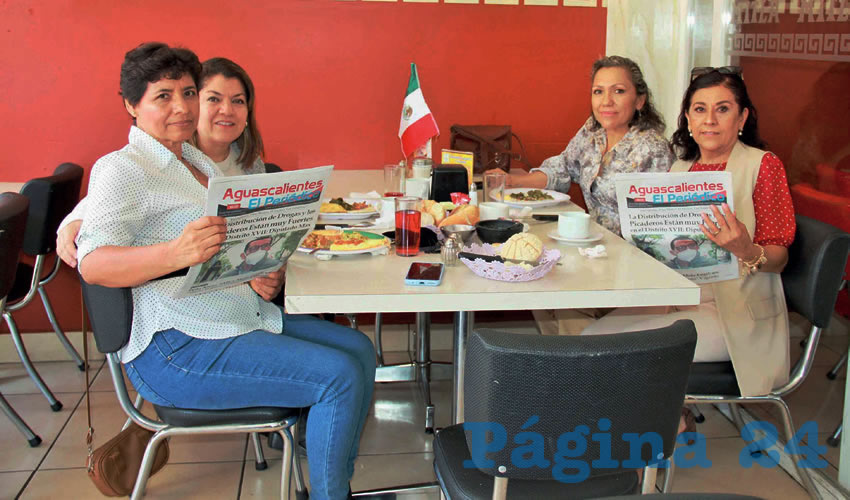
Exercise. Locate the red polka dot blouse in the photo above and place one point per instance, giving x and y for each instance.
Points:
(775, 223)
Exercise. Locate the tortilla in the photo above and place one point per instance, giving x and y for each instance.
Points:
(342, 241)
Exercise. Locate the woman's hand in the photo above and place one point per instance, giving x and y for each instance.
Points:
(66, 249)
(728, 232)
(200, 240)
(535, 180)
(269, 286)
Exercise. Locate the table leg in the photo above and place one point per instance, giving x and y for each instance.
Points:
(463, 321)
(423, 362)
(844, 459)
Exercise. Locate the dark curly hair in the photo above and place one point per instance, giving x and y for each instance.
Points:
(685, 145)
(250, 142)
(151, 62)
(646, 118)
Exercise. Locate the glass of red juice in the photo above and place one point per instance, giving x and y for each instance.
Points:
(407, 225)
(393, 180)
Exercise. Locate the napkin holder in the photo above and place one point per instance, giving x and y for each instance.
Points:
(448, 179)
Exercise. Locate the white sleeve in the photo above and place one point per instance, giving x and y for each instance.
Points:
(78, 213)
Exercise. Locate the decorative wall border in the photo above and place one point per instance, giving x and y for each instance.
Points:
(536, 3)
(813, 46)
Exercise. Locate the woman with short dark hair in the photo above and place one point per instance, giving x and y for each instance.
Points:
(228, 348)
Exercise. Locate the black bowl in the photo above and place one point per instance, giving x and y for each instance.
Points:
(497, 230)
(428, 241)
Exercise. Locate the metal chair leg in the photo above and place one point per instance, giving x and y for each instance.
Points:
(835, 369)
(22, 426)
(260, 464)
(286, 464)
(788, 426)
(423, 362)
(737, 420)
(138, 404)
(669, 472)
(698, 416)
(25, 359)
(379, 347)
(300, 489)
(835, 438)
(147, 464)
(59, 333)
(647, 486)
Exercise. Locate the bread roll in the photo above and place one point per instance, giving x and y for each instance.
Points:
(522, 246)
(427, 220)
(464, 214)
(435, 209)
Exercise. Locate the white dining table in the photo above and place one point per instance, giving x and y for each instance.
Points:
(375, 283)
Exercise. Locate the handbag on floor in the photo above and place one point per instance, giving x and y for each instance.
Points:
(489, 144)
(113, 467)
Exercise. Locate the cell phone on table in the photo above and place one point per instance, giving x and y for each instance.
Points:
(424, 274)
(545, 218)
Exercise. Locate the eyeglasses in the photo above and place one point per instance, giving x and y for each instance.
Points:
(723, 70)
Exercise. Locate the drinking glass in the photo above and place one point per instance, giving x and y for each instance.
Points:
(393, 180)
(407, 225)
(494, 186)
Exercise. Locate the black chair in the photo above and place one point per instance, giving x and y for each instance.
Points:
(635, 380)
(111, 314)
(13, 219)
(811, 280)
(51, 199)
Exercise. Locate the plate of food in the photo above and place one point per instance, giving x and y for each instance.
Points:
(525, 197)
(348, 209)
(329, 242)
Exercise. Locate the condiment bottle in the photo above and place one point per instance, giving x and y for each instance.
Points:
(473, 194)
(450, 250)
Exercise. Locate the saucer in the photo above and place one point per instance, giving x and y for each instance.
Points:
(576, 241)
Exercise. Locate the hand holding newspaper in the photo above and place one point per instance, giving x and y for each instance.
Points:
(661, 213)
(267, 217)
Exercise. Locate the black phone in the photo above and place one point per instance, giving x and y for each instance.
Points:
(424, 273)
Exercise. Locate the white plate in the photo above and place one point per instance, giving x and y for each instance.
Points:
(576, 241)
(351, 215)
(375, 250)
(557, 198)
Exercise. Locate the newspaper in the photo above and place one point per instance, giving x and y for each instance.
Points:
(660, 213)
(267, 217)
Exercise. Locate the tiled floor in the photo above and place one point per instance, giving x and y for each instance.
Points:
(394, 449)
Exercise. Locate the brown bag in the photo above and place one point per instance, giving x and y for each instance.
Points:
(114, 466)
(489, 144)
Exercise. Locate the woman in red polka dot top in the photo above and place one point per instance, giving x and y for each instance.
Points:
(744, 319)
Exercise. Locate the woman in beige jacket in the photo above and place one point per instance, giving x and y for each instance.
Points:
(745, 319)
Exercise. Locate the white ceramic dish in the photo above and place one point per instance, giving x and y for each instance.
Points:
(557, 198)
(594, 237)
(339, 216)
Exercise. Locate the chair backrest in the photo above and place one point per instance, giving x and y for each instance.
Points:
(816, 262)
(13, 219)
(635, 380)
(51, 199)
(272, 168)
(111, 315)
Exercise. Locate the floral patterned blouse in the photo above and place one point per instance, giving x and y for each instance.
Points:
(583, 161)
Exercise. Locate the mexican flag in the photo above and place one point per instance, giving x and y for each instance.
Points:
(417, 122)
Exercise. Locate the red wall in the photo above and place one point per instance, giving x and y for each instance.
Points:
(330, 78)
(803, 105)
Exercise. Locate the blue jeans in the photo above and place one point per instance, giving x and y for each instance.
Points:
(315, 363)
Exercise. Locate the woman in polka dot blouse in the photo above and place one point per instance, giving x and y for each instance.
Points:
(744, 320)
(224, 349)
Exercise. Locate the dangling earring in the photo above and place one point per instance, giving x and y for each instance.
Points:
(690, 133)
(740, 132)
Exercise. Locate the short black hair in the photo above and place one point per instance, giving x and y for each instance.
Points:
(257, 239)
(151, 62)
(681, 238)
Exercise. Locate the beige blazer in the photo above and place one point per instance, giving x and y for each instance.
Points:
(752, 309)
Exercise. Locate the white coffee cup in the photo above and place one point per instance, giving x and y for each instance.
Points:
(388, 208)
(417, 187)
(574, 225)
(493, 210)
